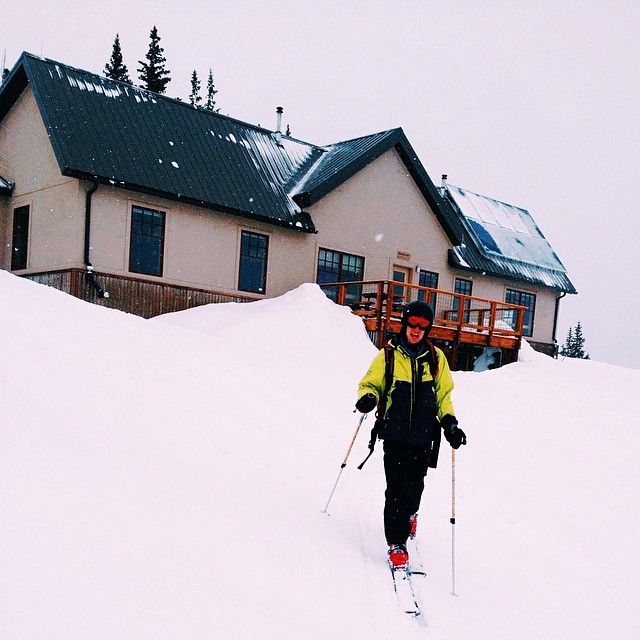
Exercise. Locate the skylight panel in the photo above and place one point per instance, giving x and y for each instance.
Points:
(481, 206)
(499, 211)
(517, 216)
(463, 202)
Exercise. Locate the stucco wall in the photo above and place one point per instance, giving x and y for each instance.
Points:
(496, 289)
(202, 247)
(56, 203)
(378, 214)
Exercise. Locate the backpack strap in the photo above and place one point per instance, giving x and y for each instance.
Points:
(433, 360)
(389, 361)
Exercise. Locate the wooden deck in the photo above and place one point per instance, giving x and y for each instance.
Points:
(133, 295)
(463, 325)
(459, 319)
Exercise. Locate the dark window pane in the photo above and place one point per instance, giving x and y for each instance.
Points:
(20, 242)
(527, 300)
(328, 266)
(334, 266)
(462, 287)
(428, 279)
(147, 241)
(253, 262)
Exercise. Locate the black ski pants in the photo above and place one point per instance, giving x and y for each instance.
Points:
(405, 468)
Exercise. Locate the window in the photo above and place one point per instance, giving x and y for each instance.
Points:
(147, 241)
(528, 301)
(334, 266)
(253, 262)
(462, 287)
(20, 241)
(428, 279)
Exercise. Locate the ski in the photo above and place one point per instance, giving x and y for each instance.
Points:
(404, 592)
(416, 567)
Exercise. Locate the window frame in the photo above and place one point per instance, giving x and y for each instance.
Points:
(434, 276)
(530, 311)
(245, 274)
(158, 269)
(352, 293)
(457, 290)
(20, 233)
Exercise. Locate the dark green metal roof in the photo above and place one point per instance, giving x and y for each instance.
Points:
(118, 134)
(114, 133)
(344, 159)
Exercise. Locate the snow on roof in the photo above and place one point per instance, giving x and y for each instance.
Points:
(508, 238)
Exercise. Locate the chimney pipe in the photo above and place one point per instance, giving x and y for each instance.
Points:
(444, 179)
(279, 111)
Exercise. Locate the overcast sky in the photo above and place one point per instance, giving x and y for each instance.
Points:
(533, 103)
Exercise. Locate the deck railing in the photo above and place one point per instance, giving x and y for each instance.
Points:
(458, 317)
(133, 295)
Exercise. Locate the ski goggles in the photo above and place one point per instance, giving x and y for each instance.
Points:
(415, 322)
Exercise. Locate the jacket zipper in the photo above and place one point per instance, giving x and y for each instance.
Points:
(414, 375)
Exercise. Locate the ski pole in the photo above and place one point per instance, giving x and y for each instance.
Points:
(453, 522)
(344, 462)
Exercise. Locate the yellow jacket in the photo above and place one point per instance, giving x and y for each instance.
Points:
(415, 402)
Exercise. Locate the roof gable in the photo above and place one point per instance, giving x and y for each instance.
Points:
(115, 133)
(504, 240)
(118, 134)
(344, 159)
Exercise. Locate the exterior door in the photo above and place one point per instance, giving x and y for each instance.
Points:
(401, 294)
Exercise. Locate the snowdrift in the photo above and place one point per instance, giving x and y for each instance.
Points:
(165, 478)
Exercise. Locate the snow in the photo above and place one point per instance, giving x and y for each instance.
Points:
(505, 229)
(165, 478)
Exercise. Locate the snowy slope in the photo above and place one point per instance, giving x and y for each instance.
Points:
(166, 478)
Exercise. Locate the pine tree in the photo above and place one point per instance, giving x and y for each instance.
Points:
(210, 104)
(194, 97)
(574, 344)
(153, 73)
(115, 68)
(579, 341)
(567, 347)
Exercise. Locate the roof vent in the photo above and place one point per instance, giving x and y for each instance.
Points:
(444, 180)
(279, 111)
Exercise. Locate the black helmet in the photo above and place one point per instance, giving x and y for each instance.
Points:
(418, 309)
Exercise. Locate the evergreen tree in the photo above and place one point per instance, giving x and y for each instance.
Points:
(574, 344)
(567, 347)
(115, 68)
(194, 97)
(210, 104)
(153, 73)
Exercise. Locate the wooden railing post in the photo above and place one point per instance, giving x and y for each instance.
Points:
(493, 316)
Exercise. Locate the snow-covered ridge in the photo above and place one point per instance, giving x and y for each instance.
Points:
(165, 479)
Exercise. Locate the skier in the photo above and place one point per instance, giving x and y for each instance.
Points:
(414, 405)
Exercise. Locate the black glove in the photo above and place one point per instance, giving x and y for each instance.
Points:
(367, 403)
(454, 435)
